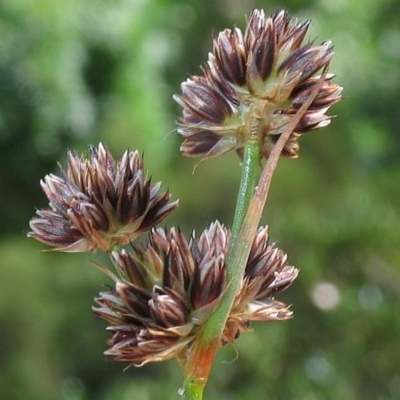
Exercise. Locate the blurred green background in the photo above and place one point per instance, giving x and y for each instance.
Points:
(77, 72)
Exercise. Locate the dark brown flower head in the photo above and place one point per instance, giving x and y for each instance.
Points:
(266, 68)
(99, 202)
(167, 289)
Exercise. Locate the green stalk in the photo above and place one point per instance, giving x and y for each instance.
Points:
(249, 208)
(199, 361)
(216, 323)
(250, 173)
(258, 117)
(193, 389)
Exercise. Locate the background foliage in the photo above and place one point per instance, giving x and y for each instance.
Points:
(77, 72)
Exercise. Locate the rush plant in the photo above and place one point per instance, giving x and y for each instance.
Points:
(173, 296)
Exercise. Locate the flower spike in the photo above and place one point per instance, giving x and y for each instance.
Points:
(267, 64)
(99, 203)
(167, 290)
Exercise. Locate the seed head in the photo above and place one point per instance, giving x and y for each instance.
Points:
(268, 64)
(167, 289)
(99, 202)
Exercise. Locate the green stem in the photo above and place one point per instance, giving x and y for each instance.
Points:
(250, 204)
(216, 323)
(199, 360)
(193, 389)
(248, 183)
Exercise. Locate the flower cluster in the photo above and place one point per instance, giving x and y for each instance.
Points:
(167, 289)
(265, 73)
(98, 203)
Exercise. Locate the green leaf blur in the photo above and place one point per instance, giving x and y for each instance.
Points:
(73, 73)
